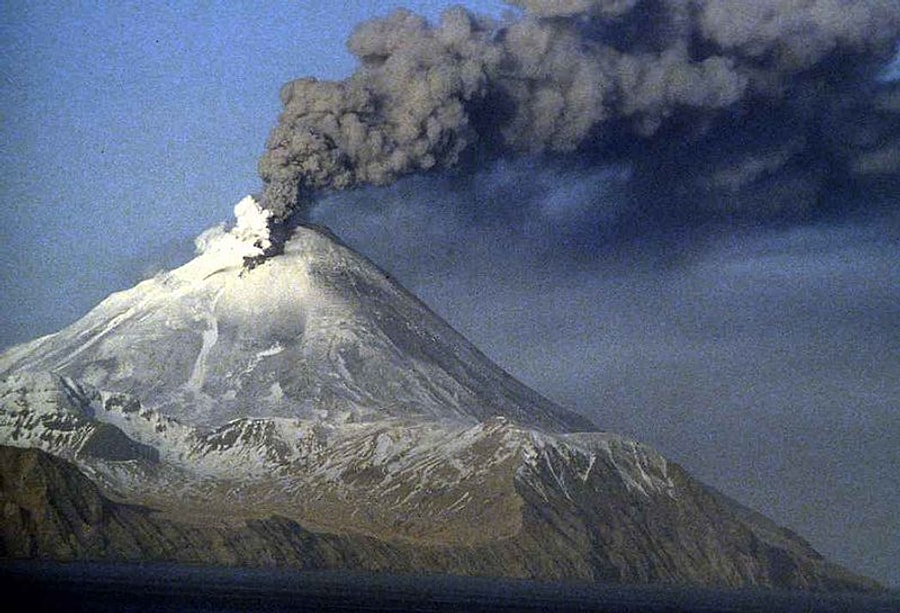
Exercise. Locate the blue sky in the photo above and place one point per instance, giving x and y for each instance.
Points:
(761, 356)
(128, 128)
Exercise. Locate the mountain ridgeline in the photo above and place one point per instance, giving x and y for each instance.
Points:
(308, 412)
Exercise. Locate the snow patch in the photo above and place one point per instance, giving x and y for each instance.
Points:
(276, 394)
(273, 350)
(383, 447)
(210, 338)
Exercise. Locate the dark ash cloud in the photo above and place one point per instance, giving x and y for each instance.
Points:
(761, 358)
(739, 96)
(678, 217)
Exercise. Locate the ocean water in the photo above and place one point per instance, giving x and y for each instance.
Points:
(162, 587)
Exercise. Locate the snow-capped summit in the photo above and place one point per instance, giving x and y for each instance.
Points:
(318, 330)
(301, 408)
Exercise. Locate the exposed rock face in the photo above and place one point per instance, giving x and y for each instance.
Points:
(309, 412)
(51, 510)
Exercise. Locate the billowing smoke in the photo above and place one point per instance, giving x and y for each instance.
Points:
(626, 227)
(741, 108)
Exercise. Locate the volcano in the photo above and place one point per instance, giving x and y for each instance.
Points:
(309, 412)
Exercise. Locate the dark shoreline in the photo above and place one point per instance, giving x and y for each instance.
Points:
(83, 586)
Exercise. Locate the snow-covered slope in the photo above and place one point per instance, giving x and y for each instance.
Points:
(395, 494)
(318, 331)
(360, 475)
(305, 403)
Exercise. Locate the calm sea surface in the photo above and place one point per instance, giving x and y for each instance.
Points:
(157, 587)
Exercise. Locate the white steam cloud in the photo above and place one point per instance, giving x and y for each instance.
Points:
(250, 237)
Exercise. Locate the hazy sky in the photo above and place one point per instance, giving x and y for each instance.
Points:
(762, 352)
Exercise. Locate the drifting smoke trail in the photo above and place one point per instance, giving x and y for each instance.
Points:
(718, 101)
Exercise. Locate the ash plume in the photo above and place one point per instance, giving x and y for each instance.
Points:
(740, 108)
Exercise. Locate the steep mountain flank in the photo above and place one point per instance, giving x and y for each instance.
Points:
(307, 411)
(53, 511)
